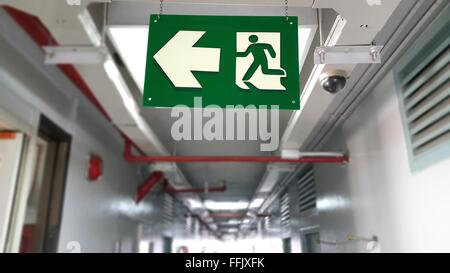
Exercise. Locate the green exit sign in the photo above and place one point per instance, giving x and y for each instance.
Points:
(225, 60)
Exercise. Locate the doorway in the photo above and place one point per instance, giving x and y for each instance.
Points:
(40, 232)
(287, 248)
(11, 150)
(310, 240)
(167, 244)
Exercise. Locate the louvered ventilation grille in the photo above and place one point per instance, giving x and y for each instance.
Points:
(422, 77)
(285, 215)
(168, 210)
(306, 191)
(426, 100)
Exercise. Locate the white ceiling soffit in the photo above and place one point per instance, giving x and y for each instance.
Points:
(364, 18)
(61, 19)
(302, 3)
(347, 30)
(121, 13)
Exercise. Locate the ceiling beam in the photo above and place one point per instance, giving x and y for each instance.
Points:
(123, 13)
(292, 3)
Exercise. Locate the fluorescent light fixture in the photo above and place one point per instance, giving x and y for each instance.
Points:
(131, 43)
(232, 230)
(256, 203)
(238, 205)
(194, 204)
(305, 38)
(269, 181)
(114, 74)
(144, 246)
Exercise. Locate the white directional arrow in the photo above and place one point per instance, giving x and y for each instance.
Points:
(178, 58)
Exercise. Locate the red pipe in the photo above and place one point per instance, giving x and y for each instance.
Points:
(42, 37)
(266, 159)
(170, 189)
(145, 188)
(227, 215)
(235, 215)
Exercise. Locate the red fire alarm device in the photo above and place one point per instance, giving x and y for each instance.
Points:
(95, 168)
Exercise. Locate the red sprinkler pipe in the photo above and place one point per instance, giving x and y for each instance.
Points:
(261, 159)
(145, 188)
(170, 189)
(227, 215)
(39, 33)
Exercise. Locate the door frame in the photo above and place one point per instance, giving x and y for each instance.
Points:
(24, 183)
(24, 179)
(305, 231)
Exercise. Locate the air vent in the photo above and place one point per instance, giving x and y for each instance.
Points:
(306, 191)
(427, 104)
(285, 215)
(168, 210)
(424, 91)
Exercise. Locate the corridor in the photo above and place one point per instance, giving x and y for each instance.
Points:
(215, 126)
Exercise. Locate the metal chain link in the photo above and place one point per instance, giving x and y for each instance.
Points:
(160, 8)
(286, 9)
(105, 22)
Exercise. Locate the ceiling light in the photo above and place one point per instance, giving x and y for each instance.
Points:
(256, 203)
(131, 43)
(233, 222)
(114, 75)
(194, 204)
(232, 230)
(238, 205)
(269, 181)
(305, 38)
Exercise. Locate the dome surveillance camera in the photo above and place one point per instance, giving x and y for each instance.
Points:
(333, 81)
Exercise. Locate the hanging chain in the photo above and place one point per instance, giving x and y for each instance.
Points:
(319, 22)
(286, 9)
(160, 8)
(105, 22)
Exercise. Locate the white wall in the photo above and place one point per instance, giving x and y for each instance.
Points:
(377, 193)
(95, 214)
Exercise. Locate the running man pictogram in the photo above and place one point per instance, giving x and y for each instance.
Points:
(259, 59)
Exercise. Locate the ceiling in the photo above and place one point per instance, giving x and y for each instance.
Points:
(304, 3)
